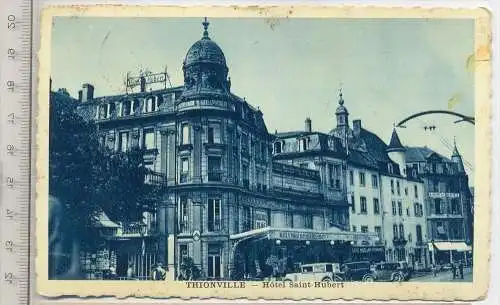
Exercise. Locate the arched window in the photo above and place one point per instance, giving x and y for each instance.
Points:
(277, 147)
(401, 231)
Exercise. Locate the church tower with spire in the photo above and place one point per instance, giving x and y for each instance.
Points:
(457, 158)
(341, 113)
(396, 152)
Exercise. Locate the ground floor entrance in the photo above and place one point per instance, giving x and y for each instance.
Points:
(270, 252)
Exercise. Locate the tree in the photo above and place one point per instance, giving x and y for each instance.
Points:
(89, 178)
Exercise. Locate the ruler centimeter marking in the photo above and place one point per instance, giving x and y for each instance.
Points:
(15, 150)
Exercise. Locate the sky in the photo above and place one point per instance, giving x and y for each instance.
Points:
(293, 68)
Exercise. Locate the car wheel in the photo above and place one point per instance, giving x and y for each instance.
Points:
(396, 277)
(326, 279)
(368, 278)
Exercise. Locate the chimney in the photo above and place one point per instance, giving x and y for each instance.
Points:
(143, 84)
(87, 92)
(80, 94)
(50, 85)
(308, 125)
(356, 126)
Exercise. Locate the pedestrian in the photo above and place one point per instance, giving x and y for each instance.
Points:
(130, 271)
(461, 270)
(434, 269)
(454, 270)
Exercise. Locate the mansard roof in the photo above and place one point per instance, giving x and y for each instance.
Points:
(421, 154)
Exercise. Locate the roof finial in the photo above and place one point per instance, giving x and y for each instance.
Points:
(341, 99)
(205, 27)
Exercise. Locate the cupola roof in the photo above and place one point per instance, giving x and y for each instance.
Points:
(205, 50)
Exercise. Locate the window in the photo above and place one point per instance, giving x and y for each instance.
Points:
(419, 233)
(213, 133)
(244, 143)
(416, 209)
(336, 175)
(183, 215)
(124, 136)
(362, 181)
(246, 176)
(406, 191)
(354, 229)
(214, 168)
(435, 185)
(395, 231)
(376, 206)
(127, 108)
(400, 208)
(401, 231)
(277, 147)
(308, 221)
(353, 204)
(184, 170)
(150, 104)
(149, 139)
(374, 181)
(363, 205)
(185, 138)
(364, 229)
(351, 177)
(455, 207)
(398, 188)
(247, 219)
(415, 190)
(289, 219)
(378, 230)
(408, 212)
(303, 144)
(437, 206)
(214, 215)
(394, 210)
(392, 186)
(390, 168)
(214, 261)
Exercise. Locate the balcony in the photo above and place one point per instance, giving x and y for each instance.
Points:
(154, 178)
(130, 230)
(399, 241)
(301, 193)
(215, 176)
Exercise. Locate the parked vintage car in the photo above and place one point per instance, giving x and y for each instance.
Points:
(326, 272)
(356, 271)
(392, 272)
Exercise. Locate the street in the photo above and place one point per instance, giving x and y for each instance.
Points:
(444, 276)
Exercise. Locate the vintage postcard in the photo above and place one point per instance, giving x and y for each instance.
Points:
(264, 152)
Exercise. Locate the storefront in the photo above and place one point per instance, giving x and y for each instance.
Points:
(269, 251)
(445, 252)
(372, 254)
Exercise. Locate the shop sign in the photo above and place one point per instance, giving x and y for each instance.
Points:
(293, 235)
(368, 250)
(443, 195)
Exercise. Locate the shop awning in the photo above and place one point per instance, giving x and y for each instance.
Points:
(453, 246)
(331, 234)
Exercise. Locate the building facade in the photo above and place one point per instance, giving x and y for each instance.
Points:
(236, 197)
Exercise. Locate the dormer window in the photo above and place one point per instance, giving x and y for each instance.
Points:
(277, 148)
(150, 104)
(303, 144)
(390, 169)
(127, 108)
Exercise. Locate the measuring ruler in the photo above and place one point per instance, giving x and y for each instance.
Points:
(15, 150)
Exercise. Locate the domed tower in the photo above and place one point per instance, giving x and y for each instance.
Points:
(396, 152)
(457, 158)
(205, 70)
(341, 113)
